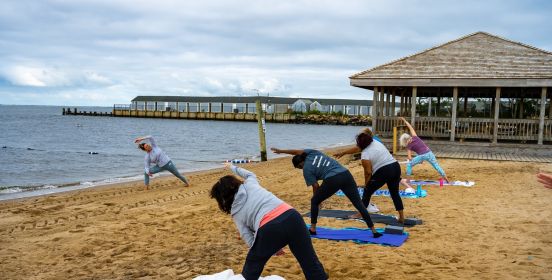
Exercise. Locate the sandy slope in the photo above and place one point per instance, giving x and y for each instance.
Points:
(500, 229)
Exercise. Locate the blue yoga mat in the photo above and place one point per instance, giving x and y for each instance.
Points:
(361, 236)
(386, 193)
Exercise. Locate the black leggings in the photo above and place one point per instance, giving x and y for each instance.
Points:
(345, 182)
(287, 229)
(390, 175)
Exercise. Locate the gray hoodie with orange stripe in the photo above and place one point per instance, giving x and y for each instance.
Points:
(251, 203)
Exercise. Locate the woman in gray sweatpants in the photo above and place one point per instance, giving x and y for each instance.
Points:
(156, 160)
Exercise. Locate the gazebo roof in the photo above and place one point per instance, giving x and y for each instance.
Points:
(476, 60)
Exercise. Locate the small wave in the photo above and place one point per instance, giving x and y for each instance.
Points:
(10, 190)
(18, 189)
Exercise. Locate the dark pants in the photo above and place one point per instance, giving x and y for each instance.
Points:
(390, 175)
(287, 229)
(345, 182)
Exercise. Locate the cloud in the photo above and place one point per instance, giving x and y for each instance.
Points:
(117, 49)
(34, 76)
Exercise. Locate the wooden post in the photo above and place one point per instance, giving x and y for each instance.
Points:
(177, 109)
(550, 109)
(541, 120)
(429, 106)
(382, 102)
(247, 108)
(438, 105)
(387, 104)
(465, 104)
(402, 104)
(394, 140)
(145, 106)
(209, 110)
(262, 129)
(375, 106)
(496, 113)
(453, 118)
(492, 107)
(393, 102)
(413, 106)
(521, 108)
(155, 106)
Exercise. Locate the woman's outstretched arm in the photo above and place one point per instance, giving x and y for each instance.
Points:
(147, 137)
(244, 173)
(289, 152)
(412, 131)
(349, 151)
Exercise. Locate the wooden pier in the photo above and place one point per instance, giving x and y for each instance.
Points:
(75, 112)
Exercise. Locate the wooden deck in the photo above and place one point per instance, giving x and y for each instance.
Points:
(486, 151)
(490, 156)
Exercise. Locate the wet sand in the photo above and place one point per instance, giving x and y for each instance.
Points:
(499, 229)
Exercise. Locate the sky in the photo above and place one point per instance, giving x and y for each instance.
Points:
(105, 52)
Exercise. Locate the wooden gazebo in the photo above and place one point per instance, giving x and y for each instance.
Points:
(474, 71)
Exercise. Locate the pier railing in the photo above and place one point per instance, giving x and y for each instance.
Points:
(121, 107)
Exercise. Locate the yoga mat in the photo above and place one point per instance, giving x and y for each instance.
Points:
(402, 193)
(344, 215)
(433, 182)
(361, 236)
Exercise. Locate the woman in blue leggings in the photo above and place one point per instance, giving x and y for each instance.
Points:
(156, 160)
(413, 143)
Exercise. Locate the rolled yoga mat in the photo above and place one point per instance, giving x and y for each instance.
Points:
(376, 218)
(433, 182)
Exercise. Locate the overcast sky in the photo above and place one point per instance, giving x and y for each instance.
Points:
(101, 52)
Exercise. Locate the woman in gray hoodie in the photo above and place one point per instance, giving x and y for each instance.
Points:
(265, 223)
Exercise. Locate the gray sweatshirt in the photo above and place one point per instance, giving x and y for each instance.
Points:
(251, 203)
(156, 156)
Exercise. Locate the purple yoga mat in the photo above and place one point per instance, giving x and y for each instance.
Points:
(358, 235)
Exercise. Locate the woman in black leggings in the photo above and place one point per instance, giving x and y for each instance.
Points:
(379, 168)
(318, 166)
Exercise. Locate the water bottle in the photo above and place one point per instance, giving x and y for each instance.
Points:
(419, 190)
(441, 183)
(408, 169)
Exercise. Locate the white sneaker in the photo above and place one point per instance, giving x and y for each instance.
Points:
(372, 208)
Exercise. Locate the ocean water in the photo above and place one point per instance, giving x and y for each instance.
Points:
(42, 151)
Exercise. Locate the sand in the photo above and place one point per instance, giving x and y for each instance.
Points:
(499, 229)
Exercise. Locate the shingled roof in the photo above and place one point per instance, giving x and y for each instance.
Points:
(480, 56)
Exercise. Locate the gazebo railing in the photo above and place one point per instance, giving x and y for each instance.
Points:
(432, 126)
(518, 129)
(469, 128)
(474, 128)
(547, 133)
(384, 125)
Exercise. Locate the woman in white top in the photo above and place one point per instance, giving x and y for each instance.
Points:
(379, 168)
(156, 160)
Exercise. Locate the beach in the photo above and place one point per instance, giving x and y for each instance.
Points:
(499, 229)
